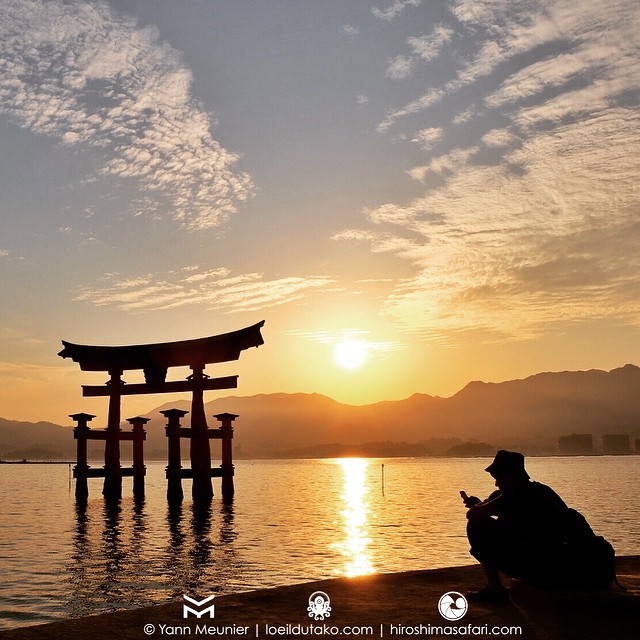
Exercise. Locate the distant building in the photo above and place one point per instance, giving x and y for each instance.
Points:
(637, 445)
(576, 444)
(616, 444)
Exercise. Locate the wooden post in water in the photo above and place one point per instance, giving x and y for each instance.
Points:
(227, 468)
(174, 463)
(81, 470)
(139, 470)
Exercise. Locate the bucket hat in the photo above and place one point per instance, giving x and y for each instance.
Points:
(507, 462)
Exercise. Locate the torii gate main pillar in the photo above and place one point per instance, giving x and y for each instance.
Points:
(112, 487)
(200, 451)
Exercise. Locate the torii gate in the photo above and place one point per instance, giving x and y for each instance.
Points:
(155, 360)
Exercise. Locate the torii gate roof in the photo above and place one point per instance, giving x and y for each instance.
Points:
(194, 353)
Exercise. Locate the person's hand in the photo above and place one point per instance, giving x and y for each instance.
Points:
(471, 501)
(477, 512)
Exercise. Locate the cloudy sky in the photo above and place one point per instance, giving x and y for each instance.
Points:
(452, 184)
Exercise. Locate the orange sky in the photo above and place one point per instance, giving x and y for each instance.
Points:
(452, 184)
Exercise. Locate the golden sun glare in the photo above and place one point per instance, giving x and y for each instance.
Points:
(350, 354)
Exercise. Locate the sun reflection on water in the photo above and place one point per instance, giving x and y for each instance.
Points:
(354, 547)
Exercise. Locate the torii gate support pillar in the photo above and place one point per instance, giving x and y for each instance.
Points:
(139, 469)
(81, 470)
(174, 462)
(227, 468)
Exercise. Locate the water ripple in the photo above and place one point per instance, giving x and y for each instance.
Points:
(291, 521)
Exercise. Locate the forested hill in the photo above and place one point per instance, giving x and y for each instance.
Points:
(530, 413)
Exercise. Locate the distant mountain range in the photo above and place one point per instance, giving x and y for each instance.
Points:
(529, 414)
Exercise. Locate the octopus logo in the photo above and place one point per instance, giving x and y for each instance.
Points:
(452, 605)
(319, 605)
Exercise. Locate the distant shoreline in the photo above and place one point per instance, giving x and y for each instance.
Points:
(98, 462)
(37, 461)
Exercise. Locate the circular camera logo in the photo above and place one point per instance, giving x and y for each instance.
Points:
(452, 605)
(319, 605)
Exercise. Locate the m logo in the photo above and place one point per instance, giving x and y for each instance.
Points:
(198, 612)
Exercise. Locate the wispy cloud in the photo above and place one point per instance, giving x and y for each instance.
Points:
(380, 242)
(423, 48)
(81, 73)
(432, 97)
(427, 138)
(567, 41)
(529, 215)
(400, 67)
(333, 338)
(550, 235)
(215, 287)
(429, 46)
(393, 10)
(498, 138)
(446, 164)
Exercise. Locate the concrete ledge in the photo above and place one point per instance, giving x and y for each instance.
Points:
(405, 599)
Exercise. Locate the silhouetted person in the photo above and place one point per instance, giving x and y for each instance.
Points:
(526, 531)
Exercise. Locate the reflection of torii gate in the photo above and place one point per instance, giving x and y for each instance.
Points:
(154, 360)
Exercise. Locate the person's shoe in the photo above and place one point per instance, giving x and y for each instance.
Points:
(489, 594)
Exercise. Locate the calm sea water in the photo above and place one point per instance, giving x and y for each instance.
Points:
(291, 521)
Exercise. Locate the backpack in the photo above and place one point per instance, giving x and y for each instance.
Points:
(590, 564)
(574, 527)
(588, 560)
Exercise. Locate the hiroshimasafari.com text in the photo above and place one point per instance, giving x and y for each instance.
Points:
(449, 630)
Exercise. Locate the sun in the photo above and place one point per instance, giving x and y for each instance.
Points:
(350, 354)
